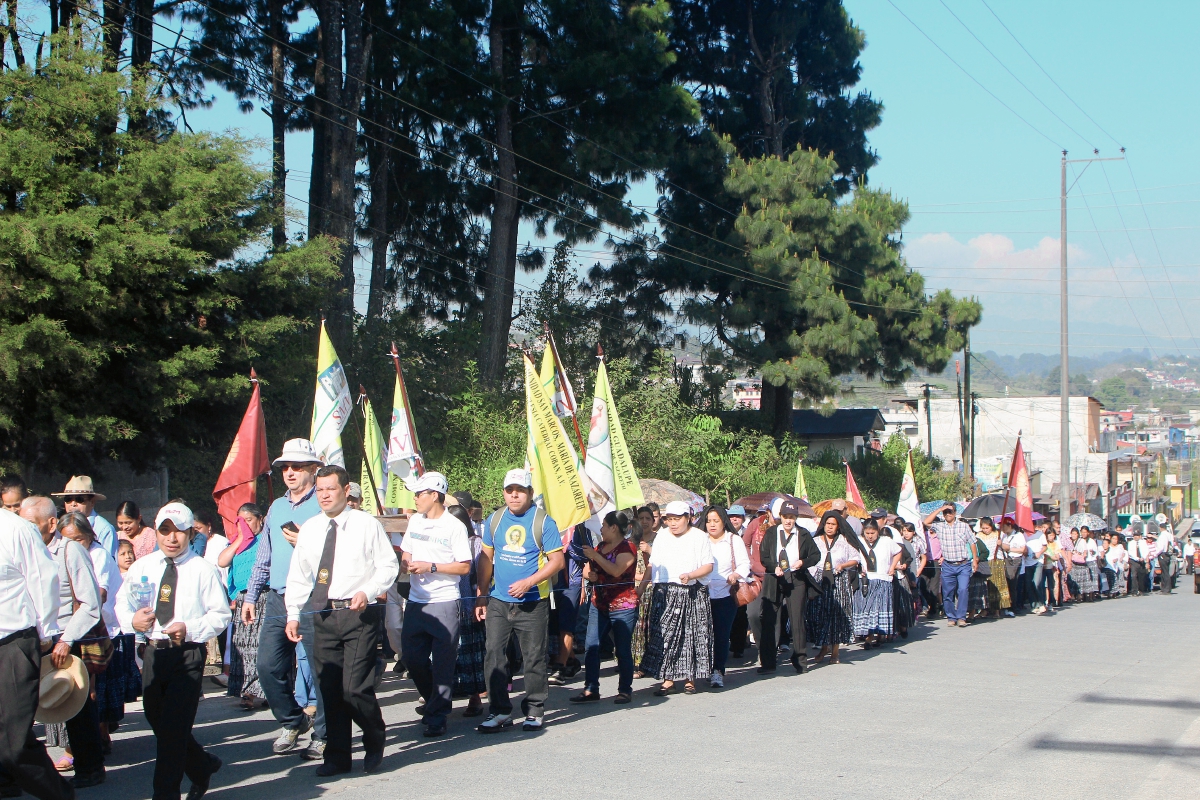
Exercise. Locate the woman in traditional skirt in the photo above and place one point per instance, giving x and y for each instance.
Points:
(1087, 542)
(1079, 579)
(681, 629)
(239, 557)
(644, 540)
(1052, 561)
(830, 615)
(917, 549)
(998, 599)
(472, 633)
(875, 619)
(1117, 562)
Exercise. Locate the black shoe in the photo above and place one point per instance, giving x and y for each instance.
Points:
(200, 787)
(328, 770)
(765, 670)
(420, 709)
(88, 779)
(571, 669)
(585, 697)
(434, 730)
(373, 761)
(398, 668)
(799, 665)
(555, 679)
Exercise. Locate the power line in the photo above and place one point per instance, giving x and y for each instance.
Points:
(1032, 199)
(993, 95)
(1055, 210)
(1047, 74)
(1010, 72)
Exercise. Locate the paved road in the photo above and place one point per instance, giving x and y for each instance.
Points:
(1097, 701)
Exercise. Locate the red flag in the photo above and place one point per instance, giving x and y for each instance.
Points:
(1018, 480)
(852, 495)
(247, 460)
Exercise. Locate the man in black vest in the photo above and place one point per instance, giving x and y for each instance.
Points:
(786, 552)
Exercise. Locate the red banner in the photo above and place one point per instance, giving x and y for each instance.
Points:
(852, 495)
(1018, 480)
(247, 460)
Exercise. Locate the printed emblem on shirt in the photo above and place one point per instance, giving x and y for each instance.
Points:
(514, 539)
(164, 595)
(323, 576)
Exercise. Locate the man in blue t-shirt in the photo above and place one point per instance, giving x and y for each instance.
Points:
(518, 604)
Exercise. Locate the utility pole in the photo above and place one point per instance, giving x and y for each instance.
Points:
(969, 455)
(929, 421)
(974, 412)
(1064, 467)
(962, 427)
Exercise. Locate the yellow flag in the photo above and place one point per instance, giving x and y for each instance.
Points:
(372, 466)
(551, 458)
(801, 487)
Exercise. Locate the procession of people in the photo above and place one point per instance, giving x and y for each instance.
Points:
(296, 602)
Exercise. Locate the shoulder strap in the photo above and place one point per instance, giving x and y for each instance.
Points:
(494, 523)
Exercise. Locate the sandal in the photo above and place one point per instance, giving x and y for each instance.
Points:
(622, 698)
(689, 688)
(65, 764)
(639, 674)
(664, 690)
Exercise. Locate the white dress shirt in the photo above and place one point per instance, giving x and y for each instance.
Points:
(1138, 551)
(729, 553)
(363, 560)
(200, 600)
(28, 579)
(108, 578)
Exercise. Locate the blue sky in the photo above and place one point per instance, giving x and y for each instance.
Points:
(983, 180)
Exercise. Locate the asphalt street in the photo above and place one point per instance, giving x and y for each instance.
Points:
(1095, 701)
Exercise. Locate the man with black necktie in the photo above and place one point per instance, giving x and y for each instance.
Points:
(187, 607)
(343, 561)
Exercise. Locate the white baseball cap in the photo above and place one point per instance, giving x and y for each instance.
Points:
(298, 451)
(178, 513)
(676, 508)
(429, 482)
(518, 477)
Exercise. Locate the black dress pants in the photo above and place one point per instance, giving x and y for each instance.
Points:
(171, 679)
(792, 597)
(22, 756)
(343, 656)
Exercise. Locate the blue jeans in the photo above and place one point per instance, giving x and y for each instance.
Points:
(724, 609)
(276, 657)
(306, 693)
(1035, 585)
(621, 623)
(955, 578)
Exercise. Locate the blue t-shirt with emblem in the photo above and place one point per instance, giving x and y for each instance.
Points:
(515, 553)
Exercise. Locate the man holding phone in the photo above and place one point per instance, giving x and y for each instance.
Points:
(958, 560)
(276, 652)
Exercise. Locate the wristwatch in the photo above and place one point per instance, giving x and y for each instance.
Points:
(433, 567)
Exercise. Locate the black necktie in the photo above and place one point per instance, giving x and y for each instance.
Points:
(784, 563)
(164, 611)
(320, 592)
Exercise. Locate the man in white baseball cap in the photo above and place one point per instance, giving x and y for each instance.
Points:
(265, 590)
(179, 514)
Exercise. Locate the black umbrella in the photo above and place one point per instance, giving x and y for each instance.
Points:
(989, 505)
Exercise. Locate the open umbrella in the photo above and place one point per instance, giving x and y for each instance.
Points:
(852, 509)
(1090, 521)
(754, 502)
(663, 492)
(989, 505)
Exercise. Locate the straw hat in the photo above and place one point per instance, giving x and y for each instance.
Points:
(61, 692)
(80, 484)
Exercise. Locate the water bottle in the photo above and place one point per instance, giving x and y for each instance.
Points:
(141, 594)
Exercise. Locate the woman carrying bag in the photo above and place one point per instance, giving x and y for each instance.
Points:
(732, 567)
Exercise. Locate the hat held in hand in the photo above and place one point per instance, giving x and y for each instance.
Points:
(61, 692)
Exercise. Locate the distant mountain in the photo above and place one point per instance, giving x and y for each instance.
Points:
(1040, 364)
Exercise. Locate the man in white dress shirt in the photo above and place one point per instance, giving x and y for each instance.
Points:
(187, 607)
(29, 594)
(343, 561)
(1139, 555)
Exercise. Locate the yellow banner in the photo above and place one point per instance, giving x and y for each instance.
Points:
(551, 457)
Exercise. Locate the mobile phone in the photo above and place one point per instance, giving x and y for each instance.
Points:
(290, 527)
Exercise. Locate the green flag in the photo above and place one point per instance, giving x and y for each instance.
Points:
(372, 466)
(801, 487)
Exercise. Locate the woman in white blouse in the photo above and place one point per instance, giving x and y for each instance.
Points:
(830, 614)
(732, 567)
(874, 619)
(680, 641)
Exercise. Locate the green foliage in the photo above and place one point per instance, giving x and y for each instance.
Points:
(134, 295)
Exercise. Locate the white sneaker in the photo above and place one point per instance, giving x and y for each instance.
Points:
(494, 723)
(532, 724)
(717, 681)
(287, 738)
(1008, 613)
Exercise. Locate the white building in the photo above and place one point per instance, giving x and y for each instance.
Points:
(1037, 420)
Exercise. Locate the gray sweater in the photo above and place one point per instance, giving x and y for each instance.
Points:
(75, 572)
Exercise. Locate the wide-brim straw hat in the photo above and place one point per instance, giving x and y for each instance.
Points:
(61, 692)
(298, 451)
(80, 485)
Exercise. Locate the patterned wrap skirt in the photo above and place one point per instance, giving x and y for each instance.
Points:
(641, 631)
(902, 603)
(1083, 579)
(830, 616)
(1120, 583)
(680, 643)
(121, 683)
(977, 593)
(875, 614)
(243, 652)
(472, 647)
(998, 596)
